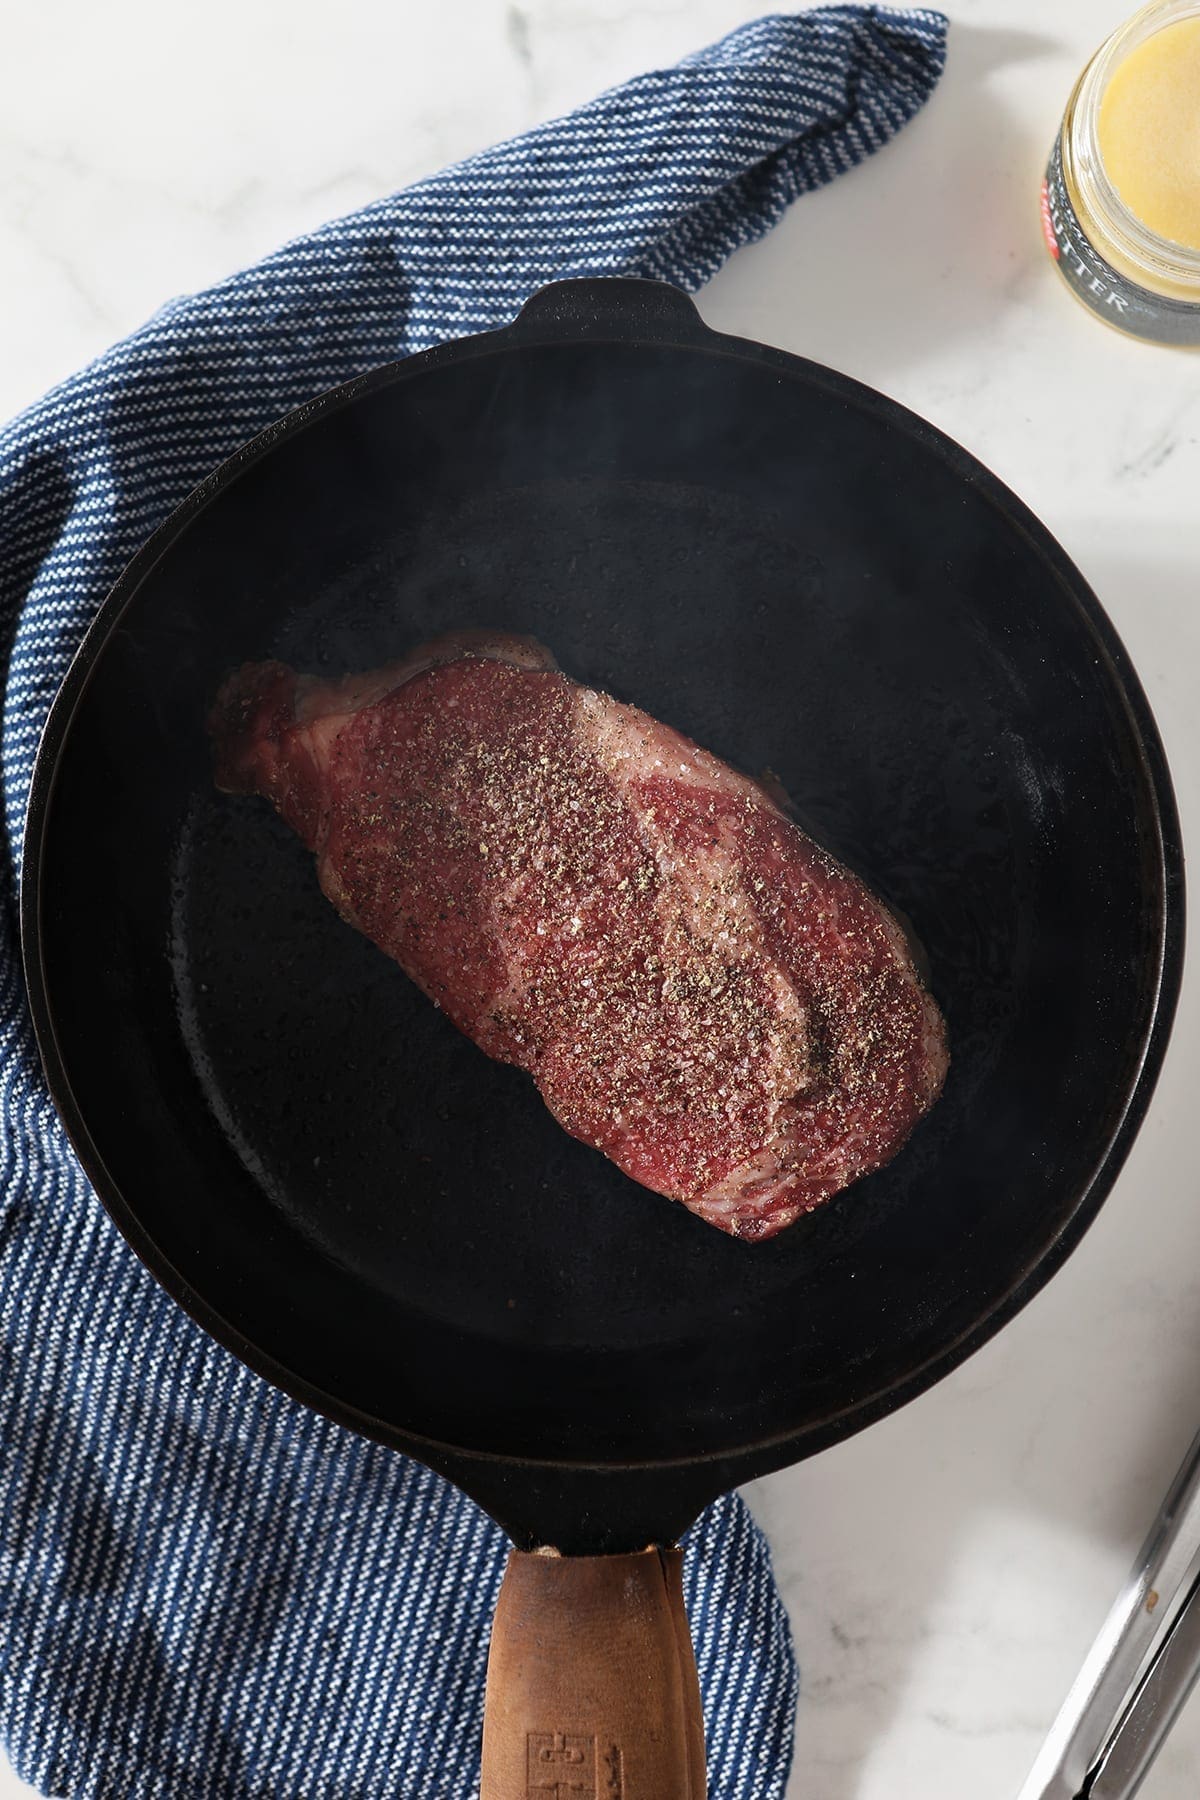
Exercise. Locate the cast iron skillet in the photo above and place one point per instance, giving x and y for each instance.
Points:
(801, 575)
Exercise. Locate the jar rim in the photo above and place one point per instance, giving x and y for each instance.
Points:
(1161, 258)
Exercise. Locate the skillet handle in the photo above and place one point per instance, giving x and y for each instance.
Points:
(591, 1687)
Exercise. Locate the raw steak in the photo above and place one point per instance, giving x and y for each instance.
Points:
(697, 989)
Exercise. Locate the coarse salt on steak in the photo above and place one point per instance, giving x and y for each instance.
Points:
(697, 989)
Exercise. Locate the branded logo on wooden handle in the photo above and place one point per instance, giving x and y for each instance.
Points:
(563, 1766)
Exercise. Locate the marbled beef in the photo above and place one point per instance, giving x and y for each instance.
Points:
(697, 989)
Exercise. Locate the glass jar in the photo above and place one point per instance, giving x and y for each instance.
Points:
(1128, 274)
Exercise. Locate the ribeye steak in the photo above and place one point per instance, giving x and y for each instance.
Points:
(697, 989)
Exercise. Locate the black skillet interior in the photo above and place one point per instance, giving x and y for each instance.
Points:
(803, 577)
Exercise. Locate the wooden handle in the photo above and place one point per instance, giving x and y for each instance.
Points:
(591, 1687)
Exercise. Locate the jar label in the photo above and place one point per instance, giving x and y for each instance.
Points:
(1101, 287)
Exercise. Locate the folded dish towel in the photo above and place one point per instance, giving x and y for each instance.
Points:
(206, 1591)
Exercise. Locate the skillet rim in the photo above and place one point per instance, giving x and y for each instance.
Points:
(630, 312)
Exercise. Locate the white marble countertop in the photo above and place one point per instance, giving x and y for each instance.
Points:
(945, 1571)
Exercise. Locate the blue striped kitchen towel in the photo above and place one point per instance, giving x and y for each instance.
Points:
(206, 1591)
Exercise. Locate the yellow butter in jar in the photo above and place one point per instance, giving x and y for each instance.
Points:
(1121, 197)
